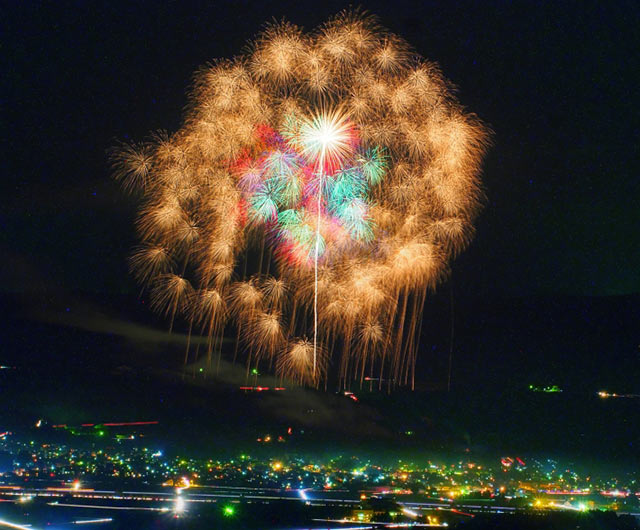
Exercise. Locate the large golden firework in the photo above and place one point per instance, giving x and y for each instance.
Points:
(317, 190)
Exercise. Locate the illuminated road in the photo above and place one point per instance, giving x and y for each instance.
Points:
(179, 500)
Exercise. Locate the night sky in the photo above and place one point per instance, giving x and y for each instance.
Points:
(556, 81)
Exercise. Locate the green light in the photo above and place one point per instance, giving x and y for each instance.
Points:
(229, 511)
(254, 371)
(550, 389)
(201, 370)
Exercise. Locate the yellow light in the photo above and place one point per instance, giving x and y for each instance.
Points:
(277, 466)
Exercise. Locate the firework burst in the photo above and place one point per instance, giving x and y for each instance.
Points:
(319, 187)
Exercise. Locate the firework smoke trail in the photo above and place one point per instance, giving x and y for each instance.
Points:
(321, 183)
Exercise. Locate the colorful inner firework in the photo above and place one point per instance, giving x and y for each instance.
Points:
(319, 161)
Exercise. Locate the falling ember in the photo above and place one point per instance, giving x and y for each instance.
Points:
(319, 188)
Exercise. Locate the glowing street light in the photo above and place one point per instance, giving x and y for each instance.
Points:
(179, 505)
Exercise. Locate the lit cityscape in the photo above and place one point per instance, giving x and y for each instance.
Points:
(86, 472)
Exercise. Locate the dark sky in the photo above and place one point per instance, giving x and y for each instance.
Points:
(557, 82)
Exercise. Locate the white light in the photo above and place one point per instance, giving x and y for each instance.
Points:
(327, 137)
(409, 512)
(179, 505)
(14, 525)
